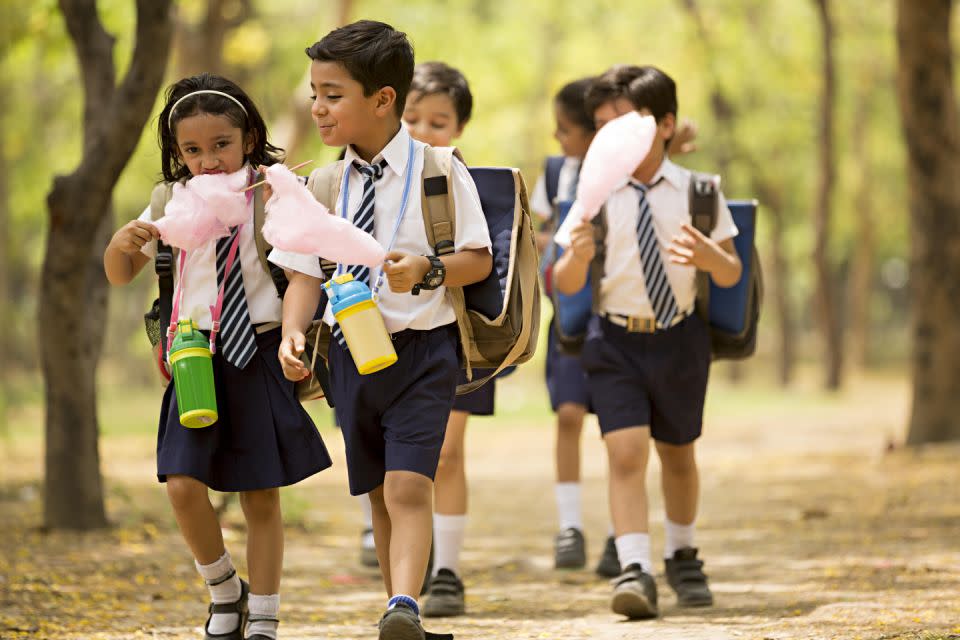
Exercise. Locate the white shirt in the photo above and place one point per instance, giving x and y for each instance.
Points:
(401, 311)
(623, 289)
(200, 284)
(540, 204)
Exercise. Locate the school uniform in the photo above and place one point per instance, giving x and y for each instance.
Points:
(566, 379)
(263, 438)
(635, 376)
(395, 419)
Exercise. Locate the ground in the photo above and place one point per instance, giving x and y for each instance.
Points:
(815, 524)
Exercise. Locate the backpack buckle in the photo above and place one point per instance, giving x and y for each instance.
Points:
(444, 247)
(164, 263)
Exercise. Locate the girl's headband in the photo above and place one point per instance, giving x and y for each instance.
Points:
(193, 93)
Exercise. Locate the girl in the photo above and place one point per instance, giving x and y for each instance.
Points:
(263, 438)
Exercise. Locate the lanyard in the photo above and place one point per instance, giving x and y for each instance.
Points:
(345, 199)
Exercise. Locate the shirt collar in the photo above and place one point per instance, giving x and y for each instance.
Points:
(395, 153)
(666, 172)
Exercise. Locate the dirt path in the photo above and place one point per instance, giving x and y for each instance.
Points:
(809, 529)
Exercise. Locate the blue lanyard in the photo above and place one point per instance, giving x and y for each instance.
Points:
(345, 199)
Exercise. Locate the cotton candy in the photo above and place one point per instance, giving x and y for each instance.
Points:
(204, 209)
(297, 222)
(615, 153)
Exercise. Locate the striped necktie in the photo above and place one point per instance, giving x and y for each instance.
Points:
(237, 338)
(659, 290)
(363, 220)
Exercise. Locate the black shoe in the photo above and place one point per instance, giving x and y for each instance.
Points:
(445, 597)
(401, 623)
(368, 555)
(634, 594)
(570, 549)
(609, 565)
(239, 607)
(686, 577)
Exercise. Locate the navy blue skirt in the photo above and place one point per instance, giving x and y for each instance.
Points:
(262, 439)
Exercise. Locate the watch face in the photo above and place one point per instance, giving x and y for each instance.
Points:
(435, 279)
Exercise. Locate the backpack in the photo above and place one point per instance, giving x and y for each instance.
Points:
(497, 318)
(158, 318)
(731, 313)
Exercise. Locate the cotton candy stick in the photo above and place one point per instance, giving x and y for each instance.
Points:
(297, 222)
(615, 153)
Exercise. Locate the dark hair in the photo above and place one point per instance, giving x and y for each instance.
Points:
(572, 98)
(374, 54)
(248, 119)
(432, 78)
(644, 87)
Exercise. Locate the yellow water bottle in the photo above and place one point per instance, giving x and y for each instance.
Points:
(361, 323)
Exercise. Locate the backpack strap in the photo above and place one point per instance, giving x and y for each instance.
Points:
(551, 177)
(263, 247)
(599, 257)
(439, 222)
(163, 263)
(704, 199)
(324, 183)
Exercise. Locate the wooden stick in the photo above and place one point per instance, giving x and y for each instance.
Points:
(257, 184)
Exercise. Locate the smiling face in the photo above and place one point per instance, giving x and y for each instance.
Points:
(432, 118)
(574, 140)
(209, 143)
(342, 113)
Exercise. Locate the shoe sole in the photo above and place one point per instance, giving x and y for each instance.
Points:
(632, 605)
(400, 628)
(570, 563)
(695, 602)
(443, 607)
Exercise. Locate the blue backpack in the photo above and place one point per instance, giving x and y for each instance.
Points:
(731, 313)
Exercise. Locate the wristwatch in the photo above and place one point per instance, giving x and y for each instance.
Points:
(433, 278)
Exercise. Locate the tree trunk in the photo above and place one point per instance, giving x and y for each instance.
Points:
(826, 299)
(5, 289)
(860, 284)
(200, 46)
(72, 306)
(928, 110)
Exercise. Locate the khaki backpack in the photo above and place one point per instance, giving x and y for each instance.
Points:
(490, 338)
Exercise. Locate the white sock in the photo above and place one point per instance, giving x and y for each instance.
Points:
(448, 532)
(264, 615)
(678, 537)
(634, 548)
(366, 509)
(223, 593)
(568, 505)
(610, 532)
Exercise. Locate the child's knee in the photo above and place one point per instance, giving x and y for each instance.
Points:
(570, 419)
(407, 490)
(451, 458)
(677, 459)
(628, 455)
(260, 505)
(185, 492)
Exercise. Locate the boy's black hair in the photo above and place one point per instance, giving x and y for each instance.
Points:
(250, 122)
(374, 54)
(431, 78)
(572, 98)
(645, 87)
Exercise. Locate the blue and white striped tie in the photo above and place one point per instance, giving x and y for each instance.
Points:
(237, 338)
(659, 290)
(363, 220)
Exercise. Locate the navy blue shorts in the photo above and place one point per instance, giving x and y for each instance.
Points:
(262, 439)
(659, 379)
(566, 379)
(395, 419)
(479, 402)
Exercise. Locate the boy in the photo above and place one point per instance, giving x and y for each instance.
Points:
(393, 420)
(647, 353)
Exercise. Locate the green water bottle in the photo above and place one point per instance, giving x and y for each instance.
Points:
(192, 365)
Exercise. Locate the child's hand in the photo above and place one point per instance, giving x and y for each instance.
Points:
(267, 189)
(404, 270)
(693, 249)
(582, 241)
(683, 139)
(291, 346)
(130, 238)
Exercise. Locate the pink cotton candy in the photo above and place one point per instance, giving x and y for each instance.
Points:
(615, 153)
(203, 209)
(297, 222)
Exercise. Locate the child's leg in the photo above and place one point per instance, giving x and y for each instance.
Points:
(408, 497)
(201, 530)
(627, 452)
(264, 558)
(368, 551)
(381, 535)
(450, 490)
(681, 492)
(569, 427)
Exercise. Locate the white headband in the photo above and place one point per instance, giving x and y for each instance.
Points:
(193, 93)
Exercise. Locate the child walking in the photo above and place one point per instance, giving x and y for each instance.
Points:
(647, 353)
(263, 438)
(393, 421)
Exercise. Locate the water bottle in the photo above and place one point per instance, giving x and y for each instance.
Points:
(361, 323)
(192, 365)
